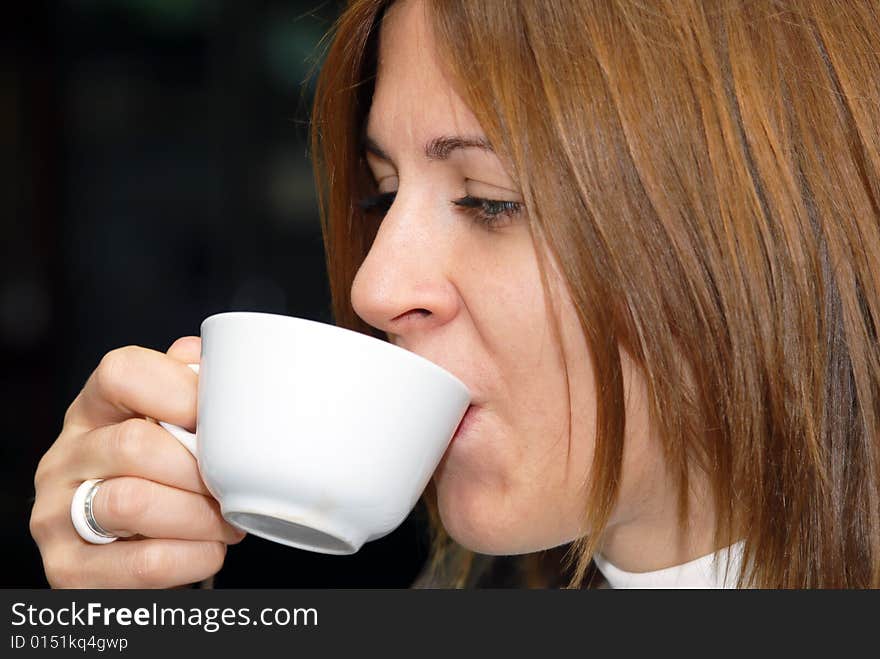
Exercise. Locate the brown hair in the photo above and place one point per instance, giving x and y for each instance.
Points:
(709, 185)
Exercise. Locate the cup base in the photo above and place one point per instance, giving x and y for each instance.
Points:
(297, 528)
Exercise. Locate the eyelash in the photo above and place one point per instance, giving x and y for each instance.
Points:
(491, 213)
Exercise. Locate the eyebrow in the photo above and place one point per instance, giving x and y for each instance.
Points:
(438, 148)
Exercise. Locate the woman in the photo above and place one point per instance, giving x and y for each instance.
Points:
(647, 237)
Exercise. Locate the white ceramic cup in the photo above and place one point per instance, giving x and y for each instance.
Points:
(315, 436)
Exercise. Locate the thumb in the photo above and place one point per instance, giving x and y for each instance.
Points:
(186, 349)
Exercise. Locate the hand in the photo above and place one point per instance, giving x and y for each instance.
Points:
(170, 527)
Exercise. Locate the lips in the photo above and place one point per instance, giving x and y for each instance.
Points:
(467, 421)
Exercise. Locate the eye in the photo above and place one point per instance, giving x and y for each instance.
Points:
(377, 204)
(491, 213)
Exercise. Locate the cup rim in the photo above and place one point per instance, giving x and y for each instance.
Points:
(351, 334)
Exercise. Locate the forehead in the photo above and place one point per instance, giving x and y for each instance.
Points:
(413, 97)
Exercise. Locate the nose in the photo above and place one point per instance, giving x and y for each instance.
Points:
(403, 287)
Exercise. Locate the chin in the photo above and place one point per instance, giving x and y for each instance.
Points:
(479, 521)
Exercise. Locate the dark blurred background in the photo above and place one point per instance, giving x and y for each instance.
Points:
(155, 171)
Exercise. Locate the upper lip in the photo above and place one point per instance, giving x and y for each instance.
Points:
(476, 400)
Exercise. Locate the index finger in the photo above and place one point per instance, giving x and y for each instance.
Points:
(136, 381)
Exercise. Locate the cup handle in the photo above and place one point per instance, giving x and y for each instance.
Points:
(185, 437)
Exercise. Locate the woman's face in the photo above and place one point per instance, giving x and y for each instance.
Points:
(441, 283)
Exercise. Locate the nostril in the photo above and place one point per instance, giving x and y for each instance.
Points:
(419, 312)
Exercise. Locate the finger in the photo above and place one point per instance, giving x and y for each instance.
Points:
(147, 563)
(136, 381)
(50, 520)
(128, 506)
(186, 349)
(134, 447)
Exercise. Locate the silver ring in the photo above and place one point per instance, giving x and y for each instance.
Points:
(83, 517)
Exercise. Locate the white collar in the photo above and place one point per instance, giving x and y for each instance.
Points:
(705, 572)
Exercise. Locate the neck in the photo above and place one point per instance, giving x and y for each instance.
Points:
(653, 537)
(645, 548)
